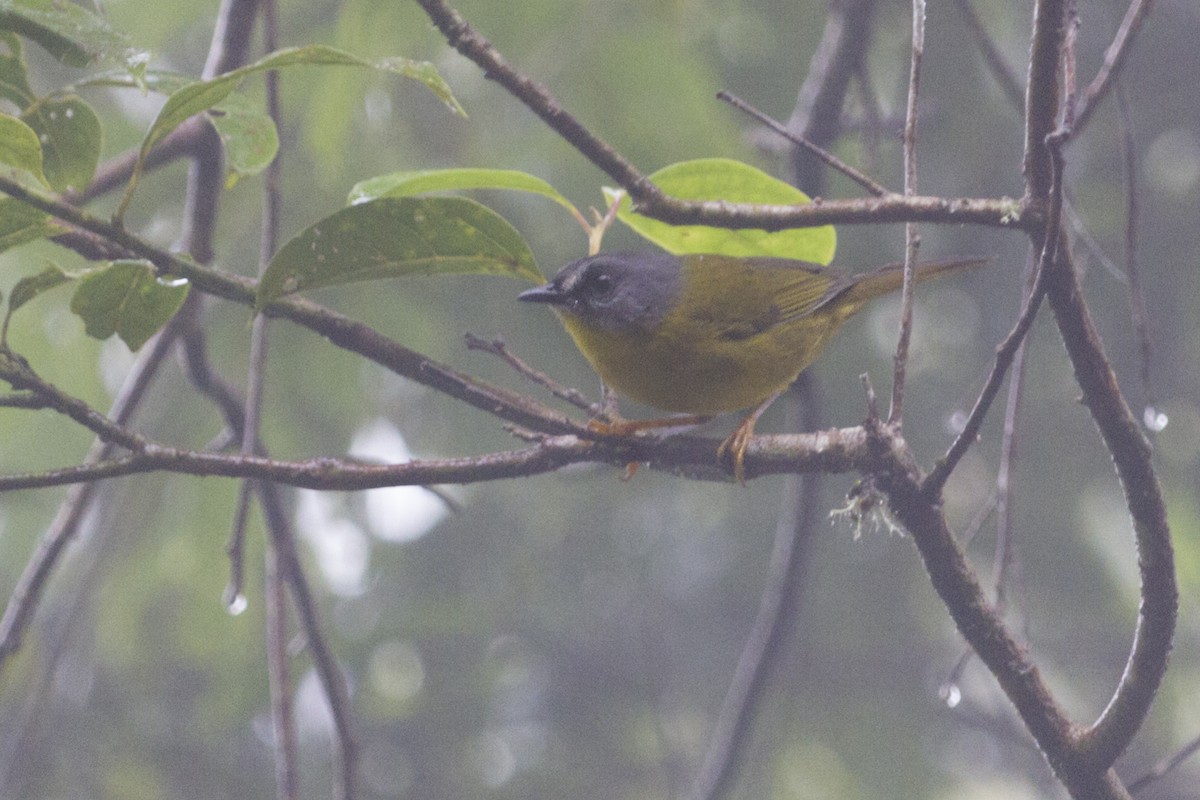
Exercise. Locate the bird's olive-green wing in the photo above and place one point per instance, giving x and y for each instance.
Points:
(741, 298)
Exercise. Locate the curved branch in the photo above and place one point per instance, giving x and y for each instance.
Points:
(1100, 745)
(899, 479)
(649, 199)
(1110, 735)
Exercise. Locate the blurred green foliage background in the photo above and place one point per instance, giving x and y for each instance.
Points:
(573, 634)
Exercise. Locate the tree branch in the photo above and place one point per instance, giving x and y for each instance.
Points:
(649, 200)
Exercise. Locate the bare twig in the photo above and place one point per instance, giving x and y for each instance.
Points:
(282, 713)
(992, 55)
(27, 400)
(649, 200)
(1137, 296)
(1099, 746)
(258, 340)
(333, 682)
(498, 348)
(1166, 766)
(1005, 554)
(1114, 59)
(912, 239)
(865, 181)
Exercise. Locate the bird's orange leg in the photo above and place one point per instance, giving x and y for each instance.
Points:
(736, 443)
(628, 427)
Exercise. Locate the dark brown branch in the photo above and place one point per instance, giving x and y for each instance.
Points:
(340, 330)
(833, 450)
(649, 200)
(1042, 96)
(463, 38)
(1132, 456)
(899, 479)
(1108, 737)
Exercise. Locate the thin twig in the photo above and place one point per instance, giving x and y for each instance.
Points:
(1005, 554)
(912, 239)
(648, 199)
(1165, 766)
(875, 188)
(1114, 59)
(498, 348)
(278, 572)
(282, 712)
(1137, 296)
(992, 56)
(27, 400)
(333, 682)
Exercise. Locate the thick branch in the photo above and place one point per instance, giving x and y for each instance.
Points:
(1131, 455)
(960, 590)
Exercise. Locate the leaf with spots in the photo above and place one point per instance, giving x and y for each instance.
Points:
(69, 32)
(200, 96)
(70, 134)
(398, 236)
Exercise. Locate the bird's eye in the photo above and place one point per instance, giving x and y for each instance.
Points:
(599, 286)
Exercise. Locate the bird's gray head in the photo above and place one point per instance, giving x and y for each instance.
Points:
(614, 291)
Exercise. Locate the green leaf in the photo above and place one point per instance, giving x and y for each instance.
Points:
(21, 223)
(14, 74)
(203, 95)
(147, 80)
(127, 298)
(404, 184)
(19, 146)
(28, 288)
(396, 236)
(251, 140)
(31, 286)
(200, 96)
(726, 179)
(70, 33)
(70, 133)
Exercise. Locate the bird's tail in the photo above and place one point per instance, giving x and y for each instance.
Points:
(890, 278)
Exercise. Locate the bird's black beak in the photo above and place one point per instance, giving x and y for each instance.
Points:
(549, 293)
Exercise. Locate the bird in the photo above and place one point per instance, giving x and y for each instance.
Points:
(705, 334)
